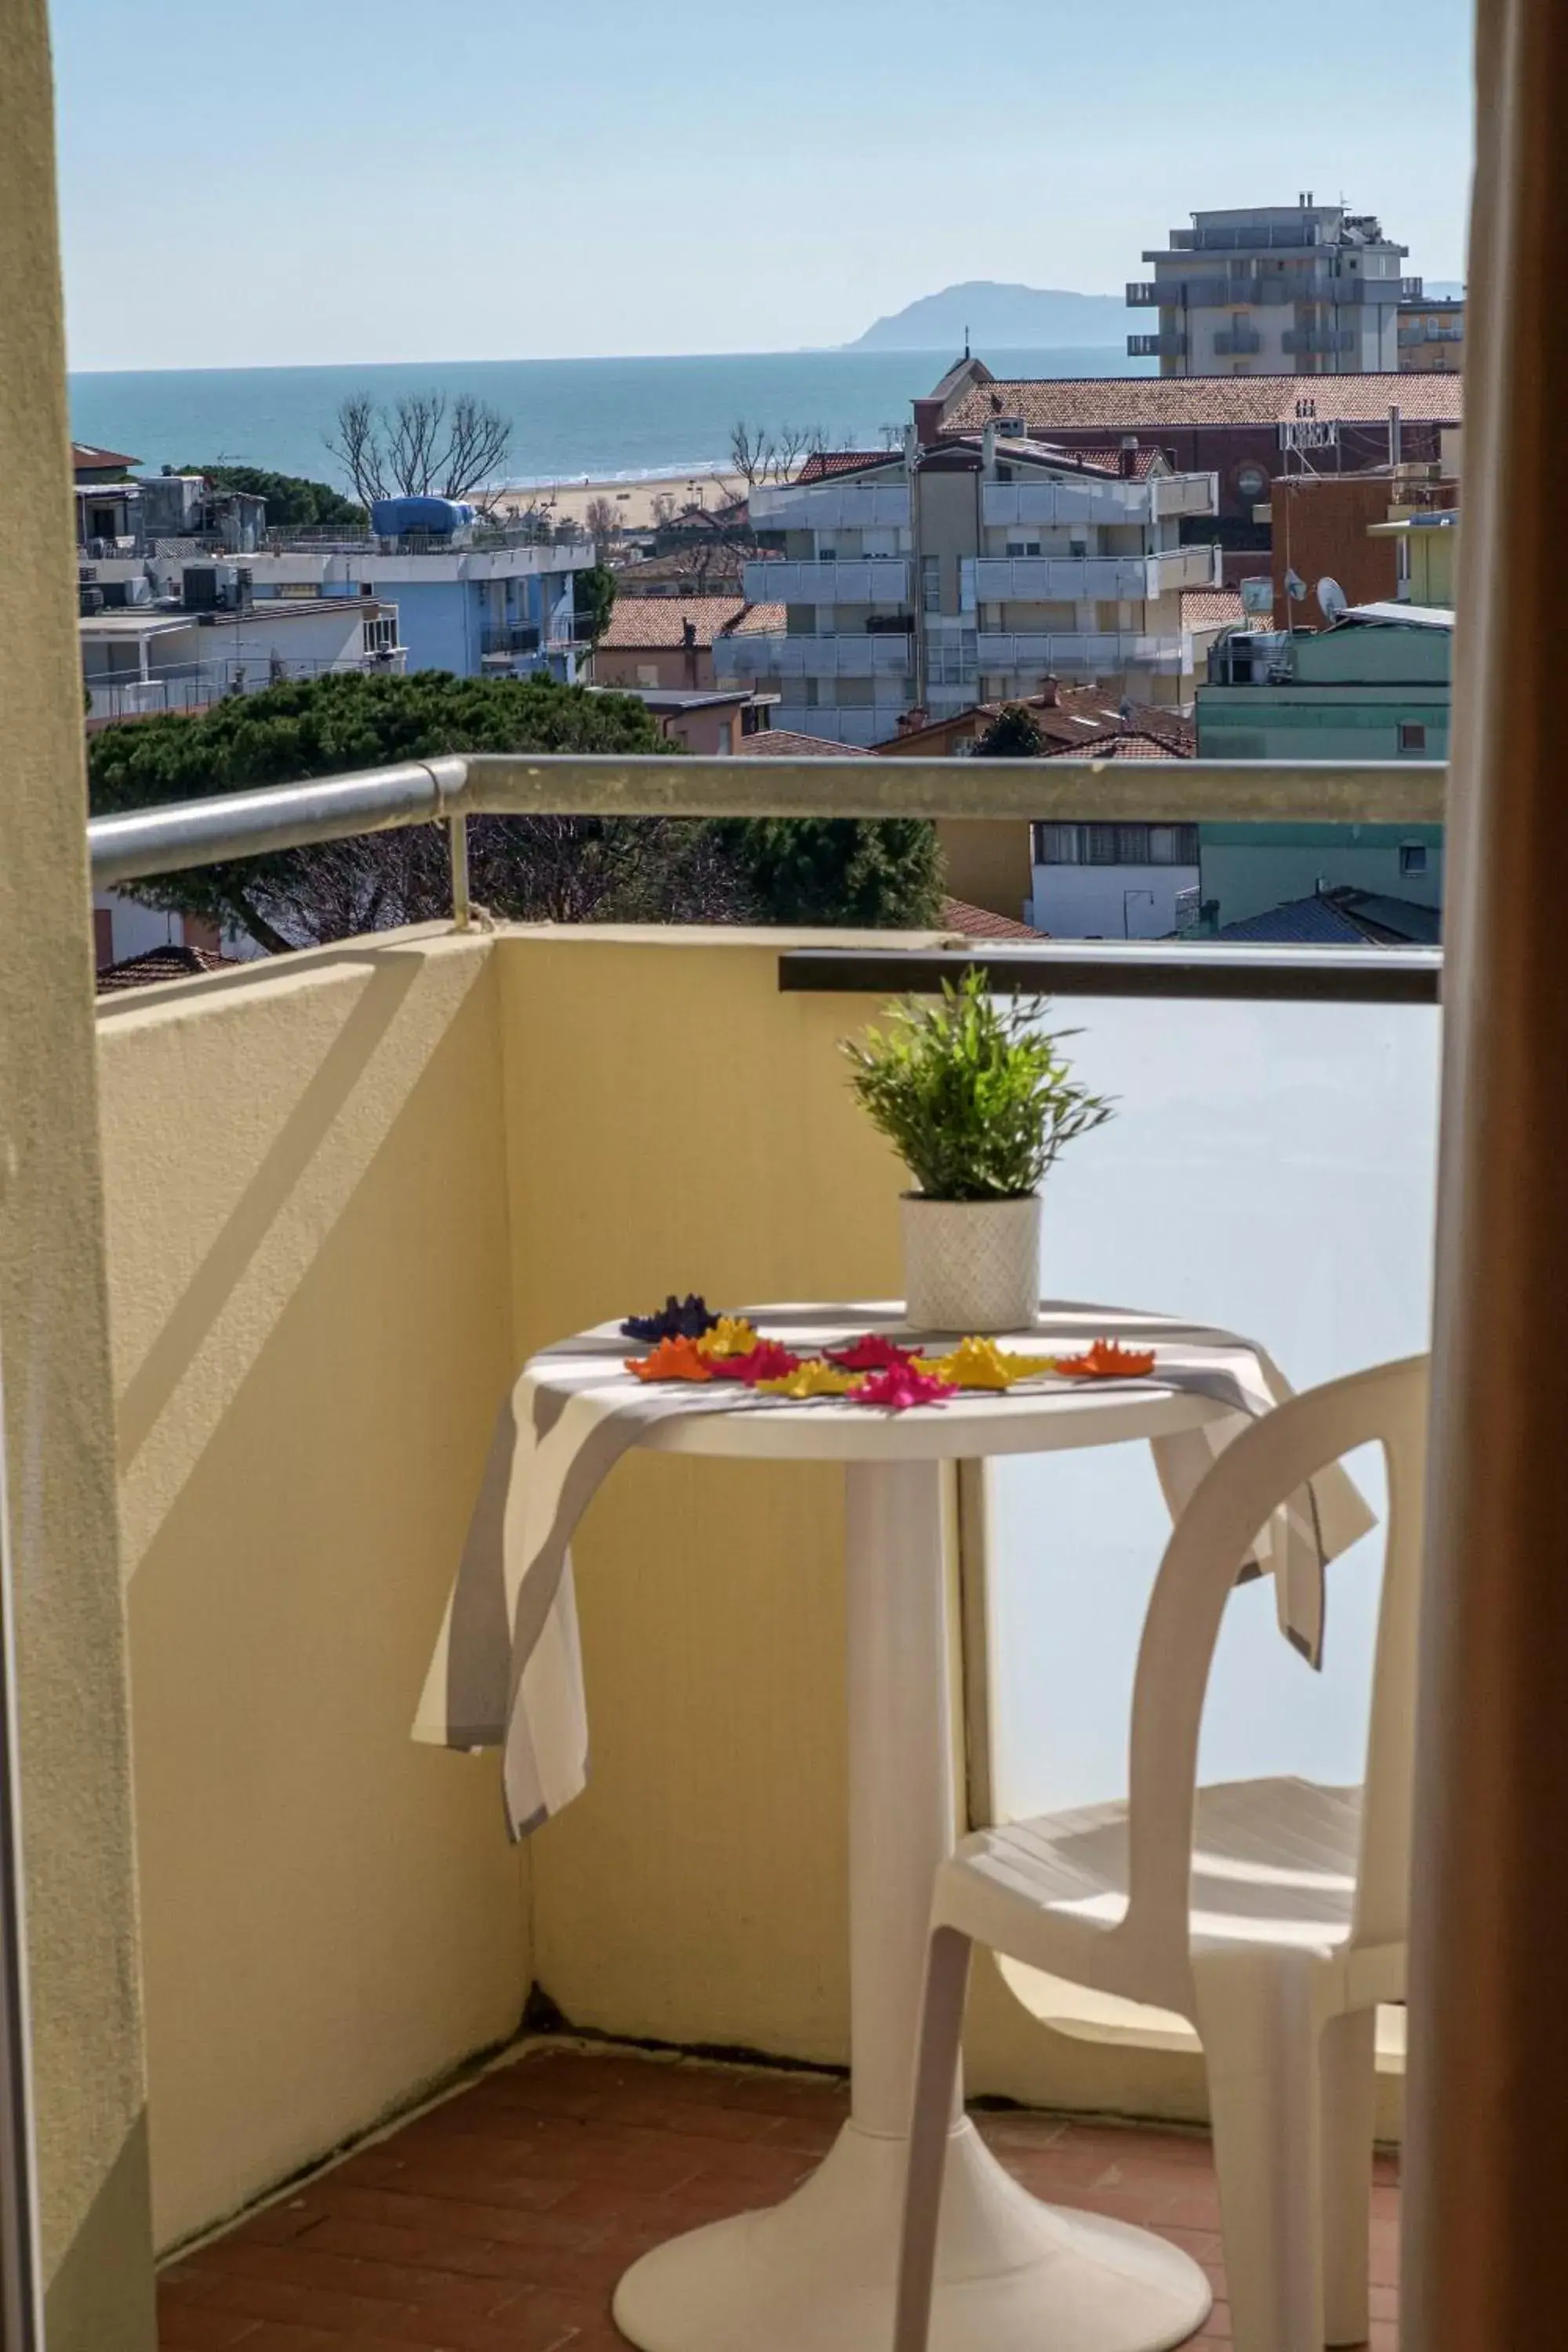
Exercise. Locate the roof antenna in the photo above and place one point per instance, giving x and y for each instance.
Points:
(967, 342)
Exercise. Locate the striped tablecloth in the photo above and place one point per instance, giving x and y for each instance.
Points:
(507, 1669)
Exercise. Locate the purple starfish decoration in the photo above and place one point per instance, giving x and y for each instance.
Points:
(679, 1318)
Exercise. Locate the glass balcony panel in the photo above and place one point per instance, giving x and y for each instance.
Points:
(1271, 1169)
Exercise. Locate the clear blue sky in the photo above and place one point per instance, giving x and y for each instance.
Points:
(365, 179)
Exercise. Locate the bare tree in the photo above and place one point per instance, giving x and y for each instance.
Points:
(358, 448)
(413, 441)
(751, 452)
(794, 444)
(476, 447)
(663, 508)
(423, 446)
(603, 522)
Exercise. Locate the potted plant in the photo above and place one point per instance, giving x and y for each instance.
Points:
(977, 1098)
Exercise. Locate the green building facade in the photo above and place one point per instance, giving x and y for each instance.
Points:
(1376, 686)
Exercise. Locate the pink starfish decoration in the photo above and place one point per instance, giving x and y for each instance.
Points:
(899, 1387)
(872, 1352)
(767, 1361)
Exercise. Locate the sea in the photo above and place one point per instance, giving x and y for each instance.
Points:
(605, 419)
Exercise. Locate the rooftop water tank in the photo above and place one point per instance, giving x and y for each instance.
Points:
(394, 518)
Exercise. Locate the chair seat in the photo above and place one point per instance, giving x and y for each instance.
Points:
(1274, 1863)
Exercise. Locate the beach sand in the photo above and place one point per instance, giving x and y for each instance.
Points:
(570, 500)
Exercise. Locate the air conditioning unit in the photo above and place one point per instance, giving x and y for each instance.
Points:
(89, 601)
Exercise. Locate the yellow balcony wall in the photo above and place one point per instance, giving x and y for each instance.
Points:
(346, 1195)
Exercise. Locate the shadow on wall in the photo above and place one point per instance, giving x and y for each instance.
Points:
(332, 1917)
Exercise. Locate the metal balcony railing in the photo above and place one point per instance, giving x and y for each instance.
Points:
(1050, 579)
(832, 506)
(196, 686)
(1274, 289)
(862, 653)
(1320, 340)
(452, 788)
(1170, 344)
(1236, 343)
(566, 542)
(855, 580)
(510, 638)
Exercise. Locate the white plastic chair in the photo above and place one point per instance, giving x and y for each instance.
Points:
(1269, 1913)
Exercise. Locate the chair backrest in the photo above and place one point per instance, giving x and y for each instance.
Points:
(1257, 1472)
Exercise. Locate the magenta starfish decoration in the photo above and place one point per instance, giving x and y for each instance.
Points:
(872, 1352)
(767, 1361)
(899, 1387)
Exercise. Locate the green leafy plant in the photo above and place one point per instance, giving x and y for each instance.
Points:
(974, 1095)
(1013, 734)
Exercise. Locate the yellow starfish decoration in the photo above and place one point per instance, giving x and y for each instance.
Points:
(814, 1379)
(730, 1336)
(980, 1364)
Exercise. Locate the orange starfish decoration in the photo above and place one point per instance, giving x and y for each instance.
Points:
(672, 1359)
(1106, 1361)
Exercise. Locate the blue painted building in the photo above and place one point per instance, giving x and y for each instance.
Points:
(475, 602)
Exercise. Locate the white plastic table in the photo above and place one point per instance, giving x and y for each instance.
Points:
(816, 2273)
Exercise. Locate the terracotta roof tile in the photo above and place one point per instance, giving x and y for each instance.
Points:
(980, 923)
(1144, 462)
(1016, 448)
(1079, 720)
(654, 623)
(1216, 608)
(1119, 743)
(1151, 403)
(823, 464)
(783, 743)
(86, 457)
(758, 621)
(664, 575)
(172, 963)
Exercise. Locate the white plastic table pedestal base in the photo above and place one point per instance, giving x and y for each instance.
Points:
(817, 2273)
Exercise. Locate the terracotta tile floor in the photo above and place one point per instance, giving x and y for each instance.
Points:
(500, 2221)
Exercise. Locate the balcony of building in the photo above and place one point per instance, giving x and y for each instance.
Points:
(1066, 653)
(1237, 342)
(507, 641)
(1067, 502)
(830, 506)
(1048, 579)
(873, 653)
(191, 686)
(563, 546)
(871, 579)
(1217, 290)
(1169, 343)
(275, 1240)
(347, 1192)
(1318, 340)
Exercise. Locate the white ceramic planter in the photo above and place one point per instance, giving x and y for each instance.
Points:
(972, 1266)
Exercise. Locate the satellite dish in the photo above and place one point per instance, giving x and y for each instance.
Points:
(1295, 586)
(1332, 601)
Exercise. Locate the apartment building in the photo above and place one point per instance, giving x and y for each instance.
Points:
(1290, 290)
(1432, 334)
(973, 571)
(477, 600)
(1242, 429)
